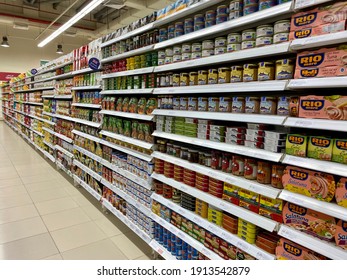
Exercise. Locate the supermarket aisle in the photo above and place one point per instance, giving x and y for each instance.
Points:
(43, 216)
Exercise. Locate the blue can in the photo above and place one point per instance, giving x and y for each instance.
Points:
(199, 18)
(188, 29)
(195, 254)
(282, 1)
(171, 35)
(211, 14)
(163, 31)
(179, 33)
(210, 22)
(162, 38)
(249, 2)
(266, 4)
(179, 241)
(250, 9)
(189, 22)
(179, 252)
(221, 18)
(222, 10)
(179, 25)
(170, 28)
(199, 26)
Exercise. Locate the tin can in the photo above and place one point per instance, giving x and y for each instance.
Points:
(220, 42)
(283, 105)
(250, 72)
(276, 176)
(248, 35)
(210, 22)
(197, 47)
(163, 31)
(168, 60)
(193, 101)
(188, 29)
(282, 26)
(236, 74)
(250, 9)
(236, 5)
(238, 105)
(284, 69)
(161, 54)
(186, 48)
(248, 45)
(266, 71)
(193, 78)
(266, 4)
(171, 28)
(222, 10)
(179, 25)
(235, 14)
(168, 52)
(223, 75)
(220, 50)
(196, 55)
(202, 77)
(184, 103)
(189, 22)
(163, 38)
(221, 18)
(264, 172)
(171, 35)
(177, 50)
(280, 38)
(199, 26)
(237, 165)
(207, 45)
(199, 19)
(186, 56)
(210, 15)
(184, 79)
(161, 61)
(207, 53)
(202, 103)
(179, 33)
(265, 31)
(177, 58)
(234, 38)
(264, 41)
(212, 76)
(252, 105)
(251, 169)
(233, 47)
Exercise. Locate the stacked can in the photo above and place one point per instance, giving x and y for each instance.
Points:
(159, 166)
(281, 31)
(158, 187)
(186, 51)
(196, 50)
(171, 31)
(189, 177)
(264, 35)
(266, 4)
(235, 9)
(201, 208)
(234, 42)
(177, 54)
(230, 222)
(170, 124)
(210, 17)
(248, 39)
(168, 169)
(250, 7)
(178, 173)
(207, 48)
(163, 34)
(215, 187)
(199, 22)
(168, 55)
(188, 201)
(202, 182)
(215, 215)
(222, 14)
(247, 231)
(236, 135)
(167, 191)
(179, 29)
(203, 125)
(176, 196)
(188, 25)
(220, 45)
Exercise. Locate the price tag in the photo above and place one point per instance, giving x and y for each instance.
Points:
(223, 205)
(229, 180)
(183, 188)
(197, 220)
(242, 246)
(303, 123)
(160, 251)
(181, 211)
(206, 252)
(211, 228)
(297, 83)
(288, 234)
(260, 256)
(297, 201)
(180, 234)
(171, 90)
(252, 188)
(170, 205)
(303, 3)
(225, 235)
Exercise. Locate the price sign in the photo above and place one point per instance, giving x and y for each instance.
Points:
(94, 63)
(33, 71)
(303, 123)
(303, 3)
(242, 246)
(260, 256)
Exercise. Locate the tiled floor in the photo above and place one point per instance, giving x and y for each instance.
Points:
(43, 216)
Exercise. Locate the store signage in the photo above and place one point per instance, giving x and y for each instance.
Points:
(6, 76)
(33, 71)
(94, 63)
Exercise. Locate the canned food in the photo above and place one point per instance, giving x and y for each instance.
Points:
(266, 71)
(161, 61)
(171, 28)
(250, 2)
(171, 35)
(223, 75)
(212, 76)
(184, 79)
(168, 52)
(179, 33)
(199, 26)
(264, 41)
(220, 42)
(264, 172)
(210, 15)
(251, 169)
(237, 165)
(207, 53)
(177, 50)
(222, 9)
(238, 105)
(196, 55)
(161, 54)
(207, 45)
(179, 25)
(186, 48)
(189, 22)
(233, 47)
(265, 4)
(236, 5)
(197, 47)
(225, 103)
(202, 77)
(283, 105)
(188, 29)
(235, 14)
(268, 105)
(221, 18)
(184, 103)
(234, 38)
(168, 59)
(248, 45)
(175, 102)
(250, 9)
(186, 56)
(219, 50)
(199, 19)
(284, 69)
(248, 35)
(177, 58)
(236, 74)
(193, 78)
(250, 72)
(276, 176)
(193, 101)
(282, 26)
(280, 38)
(163, 31)
(252, 105)
(210, 22)
(265, 31)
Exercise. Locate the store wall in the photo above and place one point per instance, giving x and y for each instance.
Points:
(23, 53)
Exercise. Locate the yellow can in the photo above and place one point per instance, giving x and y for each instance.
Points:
(176, 78)
(223, 75)
(202, 77)
(236, 74)
(184, 79)
(284, 69)
(266, 71)
(212, 76)
(193, 78)
(250, 72)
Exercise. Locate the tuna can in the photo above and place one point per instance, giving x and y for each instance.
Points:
(236, 5)
(168, 52)
(220, 50)
(251, 169)
(176, 80)
(250, 72)
(163, 31)
(235, 14)
(236, 74)
(177, 58)
(186, 48)
(220, 42)
(210, 22)
(207, 53)
(237, 165)
(265, 31)
(264, 172)
(168, 60)
(222, 10)
(196, 55)
(171, 35)
(212, 76)
(170, 28)
(280, 38)
(198, 19)
(284, 69)
(199, 26)
(163, 38)
(179, 33)
(264, 41)
(250, 9)
(184, 79)
(197, 47)
(223, 75)
(233, 47)
(202, 77)
(186, 56)
(248, 35)
(265, 4)
(188, 29)
(282, 26)
(161, 61)
(206, 45)
(193, 78)
(179, 25)
(221, 18)
(247, 45)
(177, 50)
(161, 54)
(189, 22)
(266, 71)
(250, 2)
(210, 15)
(234, 38)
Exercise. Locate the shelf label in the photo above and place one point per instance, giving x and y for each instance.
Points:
(303, 123)
(94, 63)
(287, 233)
(260, 256)
(33, 71)
(303, 3)
(242, 246)
(197, 220)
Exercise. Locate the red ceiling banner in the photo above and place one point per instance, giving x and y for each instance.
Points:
(6, 76)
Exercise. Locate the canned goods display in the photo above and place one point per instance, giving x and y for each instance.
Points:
(250, 9)
(177, 58)
(222, 18)
(220, 50)
(248, 45)
(206, 45)
(186, 48)
(197, 47)
(280, 38)
(266, 4)
(220, 42)
(265, 31)
(284, 69)
(233, 47)
(282, 26)
(186, 56)
(266, 71)
(207, 53)
(196, 55)
(210, 15)
(248, 35)
(263, 41)
(177, 50)
(234, 38)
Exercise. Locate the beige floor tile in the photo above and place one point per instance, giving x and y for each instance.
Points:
(5, 169)
(81, 200)
(42, 186)
(127, 246)
(16, 200)
(66, 218)
(49, 194)
(101, 250)
(72, 191)
(18, 213)
(56, 257)
(107, 227)
(38, 171)
(5, 183)
(93, 212)
(77, 236)
(144, 258)
(21, 229)
(9, 175)
(55, 205)
(31, 248)
(14, 190)
(36, 179)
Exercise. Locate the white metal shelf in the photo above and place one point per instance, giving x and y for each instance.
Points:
(34, 103)
(222, 233)
(302, 4)
(161, 250)
(88, 136)
(48, 130)
(325, 248)
(271, 50)
(20, 112)
(254, 18)
(319, 165)
(49, 144)
(253, 118)
(48, 114)
(127, 115)
(128, 54)
(264, 86)
(63, 117)
(63, 76)
(34, 89)
(62, 167)
(87, 188)
(64, 151)
(236, 149)
(129, 140)
(62, 96)
(63, 137)
(89, 123)
(35, 131)
(139, 71)
(53, 68)
(186, 238)
(319, 41)
(128, 91)
(312, 83)
(96, 87)
(82, 71)
(328, 208)
(87, 170)
(48, 96)
(334, 125)
(87, 105)
(245, 214)
(226, 177)
(49, 156)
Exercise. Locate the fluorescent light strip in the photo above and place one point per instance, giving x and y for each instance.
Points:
(87, 9)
